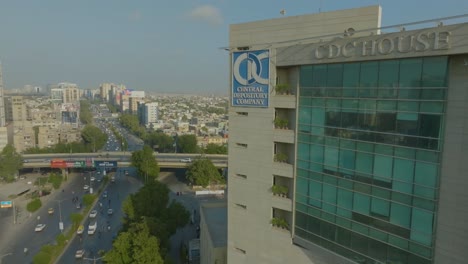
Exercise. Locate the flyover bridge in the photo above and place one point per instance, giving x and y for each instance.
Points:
(123, 159)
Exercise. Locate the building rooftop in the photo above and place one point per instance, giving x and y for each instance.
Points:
(216, 220)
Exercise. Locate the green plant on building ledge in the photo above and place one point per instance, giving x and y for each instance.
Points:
(281, 123)
(279, 222)
(281, 157)
(283, 89)
(280, 190)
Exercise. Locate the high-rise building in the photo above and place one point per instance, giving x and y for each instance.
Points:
(148, 113)
(2, 102)
(348, 145)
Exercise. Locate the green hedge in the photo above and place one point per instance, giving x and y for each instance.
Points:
(34, 205)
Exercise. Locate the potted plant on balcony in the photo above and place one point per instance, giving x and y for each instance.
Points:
(283, 89)
(279, 222)
(281, 123)
(279, 190)
(281, 157)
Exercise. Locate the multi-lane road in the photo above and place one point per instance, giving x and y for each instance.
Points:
(102, 238)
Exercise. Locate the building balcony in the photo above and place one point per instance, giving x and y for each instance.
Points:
(282, 202)
(283, 135)
(283, 169)
(284, 101)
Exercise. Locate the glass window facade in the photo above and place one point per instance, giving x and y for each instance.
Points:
(369, 142)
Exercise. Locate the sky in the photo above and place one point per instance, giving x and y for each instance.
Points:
(165, 46)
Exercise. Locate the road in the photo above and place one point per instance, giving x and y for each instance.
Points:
(92, 244)
(24, 235)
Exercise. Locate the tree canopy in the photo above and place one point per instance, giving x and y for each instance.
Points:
(136, 245)
(150, 207)
(10, 163)
(145, 162)
(133, 124)
(93, 137)
(86, 117)
(215, 149)
(203, 172)
(187, 144)
(164, 143)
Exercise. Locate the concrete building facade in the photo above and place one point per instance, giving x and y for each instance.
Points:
(213, 236)
(347, 145)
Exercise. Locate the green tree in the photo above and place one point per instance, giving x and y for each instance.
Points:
(164, 143)
(152, 204)
(203, 172)
(10, 163)
(76, 219)
(86, 117)
(215, 149)
(136, 245)
(93, 137)
(146, 163)
(187, 144)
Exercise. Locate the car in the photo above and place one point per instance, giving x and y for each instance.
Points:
(92, 179)
(110, 211)
(112, 179)
(93, 214)
(86, 187)
(80, 230)
(104, 195)
(40, 227)
(78, 206)
(187, 160)
(126, 172)
(50, 210)
(79, 253)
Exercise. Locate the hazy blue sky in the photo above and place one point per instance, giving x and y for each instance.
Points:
(164, 46)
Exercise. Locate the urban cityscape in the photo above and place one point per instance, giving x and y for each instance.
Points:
(335, 139)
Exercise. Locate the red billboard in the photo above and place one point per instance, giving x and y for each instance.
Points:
(58, 163)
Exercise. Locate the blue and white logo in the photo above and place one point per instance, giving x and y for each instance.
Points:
(250, 82)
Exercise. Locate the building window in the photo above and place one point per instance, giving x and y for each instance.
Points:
(240, 250)
(243, 176)
(242, 145)
(368, 156)
(241, 206)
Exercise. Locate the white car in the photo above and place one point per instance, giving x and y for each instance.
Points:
(187, 160)
(79, 253)
(93, 214)
(39, 227)
(92, 179)
(86, 187)
(110, 211)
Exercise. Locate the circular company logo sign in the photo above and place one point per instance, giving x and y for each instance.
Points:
(254, 68)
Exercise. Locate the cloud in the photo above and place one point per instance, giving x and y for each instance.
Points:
(135, 15)
(207, 13)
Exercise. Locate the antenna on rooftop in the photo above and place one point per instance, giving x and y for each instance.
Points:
(283, 12)
(320, 8)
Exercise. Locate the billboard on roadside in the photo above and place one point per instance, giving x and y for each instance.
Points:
(105, 164)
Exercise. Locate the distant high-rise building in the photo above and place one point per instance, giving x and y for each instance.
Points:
(148, 113)
(2, 103)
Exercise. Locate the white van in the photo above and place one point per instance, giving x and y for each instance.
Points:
(92, 228)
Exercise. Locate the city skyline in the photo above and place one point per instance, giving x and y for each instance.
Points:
(162, 48)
